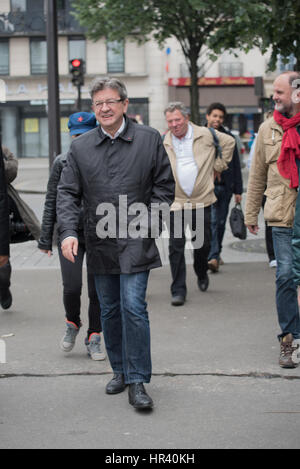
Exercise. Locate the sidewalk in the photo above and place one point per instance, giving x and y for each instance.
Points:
(216, 382)
(32, 182)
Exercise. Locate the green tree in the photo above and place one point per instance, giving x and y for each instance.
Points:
(275, 27)
(196, 24)
(282, 31)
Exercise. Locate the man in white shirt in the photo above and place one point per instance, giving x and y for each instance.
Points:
(192, 155)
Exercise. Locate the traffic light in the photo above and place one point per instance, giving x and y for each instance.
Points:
(77, 71)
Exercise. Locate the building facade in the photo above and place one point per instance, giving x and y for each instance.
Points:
(23, 67)
(153, 77)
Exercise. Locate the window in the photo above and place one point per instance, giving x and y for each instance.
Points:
(231, 69)
(38, 56)
(4, 57)
(17, 5)
(115, 57)
(289, 66)
(77, 48)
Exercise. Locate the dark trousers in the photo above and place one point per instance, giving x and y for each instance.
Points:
(268, 237)
(126, 325)
(219, 212)
(72, 286)
(177, 247)
(5, 274)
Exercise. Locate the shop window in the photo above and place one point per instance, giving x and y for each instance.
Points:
(17, 6)
(4, 57)
(35, 137)
(115, 57)
(38, 56)
(284, 66)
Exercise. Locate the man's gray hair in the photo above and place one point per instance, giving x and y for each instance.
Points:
(177, 106)
(100, 84)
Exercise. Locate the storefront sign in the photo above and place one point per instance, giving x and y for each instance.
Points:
(214, 81)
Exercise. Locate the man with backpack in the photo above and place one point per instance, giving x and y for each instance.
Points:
(230, 182)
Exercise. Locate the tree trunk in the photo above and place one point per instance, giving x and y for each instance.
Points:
(194, 90)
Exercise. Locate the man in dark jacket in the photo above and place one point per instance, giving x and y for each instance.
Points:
(228, 183)
(118, 170)
(5, 296)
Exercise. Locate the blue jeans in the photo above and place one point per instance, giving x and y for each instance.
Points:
(286, 292)
(219, 212)
(125, 324)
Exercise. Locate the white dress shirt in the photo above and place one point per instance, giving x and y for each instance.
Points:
(118, 131)
(186, 167)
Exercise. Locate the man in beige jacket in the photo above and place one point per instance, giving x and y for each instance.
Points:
(266, 177)
(192, 154)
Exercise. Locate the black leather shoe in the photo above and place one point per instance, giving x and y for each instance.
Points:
(116, 384)
(177, 300)
(138, 397)
(203, 283)
(5, 299)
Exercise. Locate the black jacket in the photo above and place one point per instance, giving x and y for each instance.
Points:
(4, 220)
(99, 170)
(49, 214)
(232, 177)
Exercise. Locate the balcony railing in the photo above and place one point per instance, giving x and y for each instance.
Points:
(34, 23)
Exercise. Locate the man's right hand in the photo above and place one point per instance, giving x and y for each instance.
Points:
(3, 260)
(253, 229)
(69, 248)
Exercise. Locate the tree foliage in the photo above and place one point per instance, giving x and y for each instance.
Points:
(282, 31)
(196, 24)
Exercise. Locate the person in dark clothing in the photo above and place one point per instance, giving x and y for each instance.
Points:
(5, 295)
(22, 221)
(228, 183)
(127, 171)
(79, 123)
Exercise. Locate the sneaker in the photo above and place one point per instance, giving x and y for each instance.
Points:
(68, 341)
(213, 265)
(93, 345)
(273, 264)
(288, 349)
(221, 262)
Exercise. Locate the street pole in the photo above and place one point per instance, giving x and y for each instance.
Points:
(79, 98)
(53, 90)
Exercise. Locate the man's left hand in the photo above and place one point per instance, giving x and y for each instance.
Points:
(3, 260)
(238, 198)
(217, 176)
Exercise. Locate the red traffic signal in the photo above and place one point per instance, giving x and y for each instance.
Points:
(76, 63)
(77, 71)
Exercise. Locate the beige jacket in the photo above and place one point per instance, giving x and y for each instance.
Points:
(204, 153)
(264, 178)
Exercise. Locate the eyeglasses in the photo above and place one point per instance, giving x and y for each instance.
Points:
(109, 102)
